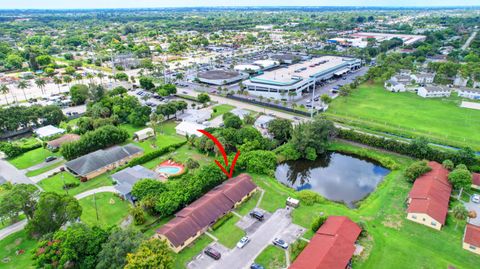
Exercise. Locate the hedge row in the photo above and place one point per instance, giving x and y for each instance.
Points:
(151, 155)
(13, 150)
(465, 156)
(222, 220)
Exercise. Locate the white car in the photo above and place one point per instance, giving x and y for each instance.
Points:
(243, 242)
(476, 198)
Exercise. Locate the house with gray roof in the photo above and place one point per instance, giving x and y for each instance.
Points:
(126, 178)
(103, 160)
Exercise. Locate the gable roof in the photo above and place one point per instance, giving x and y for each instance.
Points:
(101, 158)
(331, 247)
(476, 179)
(63, 139)
(430, 193)
(128, 177)
(207, 209)
(472, 235)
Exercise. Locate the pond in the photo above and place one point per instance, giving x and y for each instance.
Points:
(335, 176)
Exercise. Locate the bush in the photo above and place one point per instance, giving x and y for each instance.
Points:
(460, 178)
(448, 164)
(416, 169)
(317, 222)
(191, 164)
(258, 162)
(137, 214)
(288, 152)
(296, 248)
(70, 185)
(13, 150)
(309, 197)
(151, 155)
(222, 220)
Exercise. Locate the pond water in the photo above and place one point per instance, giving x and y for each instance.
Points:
(335, 176)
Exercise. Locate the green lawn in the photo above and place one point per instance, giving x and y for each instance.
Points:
(31, 158)
(221, 109)
(396, 241)
(44, 169)
(187, 254)
(440, 119)
(13, 243)
(181, 155)
(228, 233)
(272, 258)
(111, 210)
(55, 183)
(248, 205)
(166, 135)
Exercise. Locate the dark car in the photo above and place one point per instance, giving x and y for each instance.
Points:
(50, 158)
(258, 215)
(212, 253)
(256, 266)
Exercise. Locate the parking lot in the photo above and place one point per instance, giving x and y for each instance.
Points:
(471, 206)
(261, 234)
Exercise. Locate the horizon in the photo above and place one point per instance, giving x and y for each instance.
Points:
(165, 4)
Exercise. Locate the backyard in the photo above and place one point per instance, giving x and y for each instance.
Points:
(56, 182)
(31, 158)
(439, 119)
(10, 245)
(111, 210)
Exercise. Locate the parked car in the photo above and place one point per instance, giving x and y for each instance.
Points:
(212, 253)
(476, 198)
(257, 214)
(184, 92)
(243, 242)
(280, 243)
(256, 266)
(50, 158)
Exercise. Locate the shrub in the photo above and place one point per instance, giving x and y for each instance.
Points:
(222, 220)
(192, 164)
(448, 164)
(258, 162)
(13, 150)
(151, 155)
(288, 152)
(317, 222)
(138, 215)
(416, 169)
(460, 178)
(309, 197)
(296, 248)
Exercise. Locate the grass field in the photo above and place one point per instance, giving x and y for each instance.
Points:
(272, 257)
(55, 183)
(439, 119)
(228, 233)
(111, 210)
(31, 158)
(187, 254)
(166, 136)
(221, 109)
(13, 243)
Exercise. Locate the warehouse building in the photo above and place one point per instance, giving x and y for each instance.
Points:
(289, 82)
(219, 77)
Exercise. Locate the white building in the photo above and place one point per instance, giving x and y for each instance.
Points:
(143, 134)
(48, 131)
(196, 116)
(289, 82)
(248, 68)
(241, 113)
(261, 124)
(394, 86)
(460, 81)
(434, 91)
(189, 128)
(423, 78)
(267, 64)
(469, 93)
(219, 77)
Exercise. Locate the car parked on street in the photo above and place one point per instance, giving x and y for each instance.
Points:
(280, 243)
(244, 241)
(212, 253)
(476, 198)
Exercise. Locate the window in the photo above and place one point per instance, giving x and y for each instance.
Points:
(414, 217)
(434, 223)
(472, 247)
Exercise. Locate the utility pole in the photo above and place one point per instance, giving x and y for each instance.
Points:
(63, 180)
(95, 201)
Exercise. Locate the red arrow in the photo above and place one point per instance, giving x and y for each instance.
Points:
(224, 154)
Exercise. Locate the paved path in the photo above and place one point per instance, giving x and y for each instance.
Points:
(97, 190)
(469, 40)
(45, 175)
(12, 229)
(12, 174)
(42, 165)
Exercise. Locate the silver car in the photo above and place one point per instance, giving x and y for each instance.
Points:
(243, 242)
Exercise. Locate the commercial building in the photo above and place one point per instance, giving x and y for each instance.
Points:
(349, 42)
(429, 197)
(432, 91)
(286, 58)
(332, 246)
(471, 238)
(267, 64)
(247, 68)
(379, 37)
(219, 77)
(289, 82)
(194, 220)
(103, 160)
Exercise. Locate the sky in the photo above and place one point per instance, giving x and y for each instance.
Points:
(66, 4)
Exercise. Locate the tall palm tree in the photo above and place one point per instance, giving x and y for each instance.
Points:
(58, 81)
(41, 84)
(23, 84)
(67, 79)
(101, 75)
(78, 77)
(4, 90)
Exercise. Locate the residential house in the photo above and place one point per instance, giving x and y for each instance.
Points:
(476, 181)
(331, 247)
(185, 128)
(429, 197)
(261, 124)
(48, 131)
(143, 134)
(241, 113)
(423, 78)
(404, 79)
(57, 143)
(460, 81)
(126, 178)
(195, 219)
(432, 91)
(471, 238)
(395, 86)
(197, 116)
(469, 93)
(103, 160)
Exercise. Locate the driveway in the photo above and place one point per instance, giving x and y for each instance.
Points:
(279, 224)
(97, 190)
(12, 229)
(12, 174)
(475, 207)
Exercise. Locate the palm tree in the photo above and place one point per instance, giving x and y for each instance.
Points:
(90, 77)
(101, 75)
(4, 90)
(67, 79)
(23, 84)
(78, 77)
(41, 84)
(58, 81)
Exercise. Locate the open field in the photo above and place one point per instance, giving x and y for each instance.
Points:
(13, 243)
(55, 183)
(438, 119)
(31, 158)
(272, 257)
(111, 210)
(221, 109)
(228, 233)
(166, 136)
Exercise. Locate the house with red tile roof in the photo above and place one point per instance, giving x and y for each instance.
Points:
(429, 197)
(192, 221)
(331, 247)
(476, 181)
(471, 238)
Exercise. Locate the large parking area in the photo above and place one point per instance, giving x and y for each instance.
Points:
(261, 234)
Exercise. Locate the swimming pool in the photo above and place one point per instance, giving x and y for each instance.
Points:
(171, 170)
